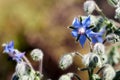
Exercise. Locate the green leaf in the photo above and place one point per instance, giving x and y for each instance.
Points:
(117, 32)
(109, 29)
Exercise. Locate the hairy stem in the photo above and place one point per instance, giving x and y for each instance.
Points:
(100, 70)
(100, 12)
(27, 61)
(91, 47)
(77, 53)
(90, 73)
(83, 69)
(41, 66)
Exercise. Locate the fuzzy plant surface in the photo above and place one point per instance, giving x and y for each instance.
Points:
(97, 30)
(24, 69)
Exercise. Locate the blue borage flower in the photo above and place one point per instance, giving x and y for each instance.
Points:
(14, 53)
(81, 29)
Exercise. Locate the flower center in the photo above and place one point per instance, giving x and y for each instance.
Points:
(81, 31)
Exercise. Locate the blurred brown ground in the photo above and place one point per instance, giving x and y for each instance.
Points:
(42, 24)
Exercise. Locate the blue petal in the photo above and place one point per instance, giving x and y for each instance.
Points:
(82, 40)
(100, 39)
(86, 22)
(74, 33)
(6, 50)
(88, 32)
(18, 56)
(9, 47)
(11, 44)
(102, 31)
(76, 23)
(96, 37)
(94, 40)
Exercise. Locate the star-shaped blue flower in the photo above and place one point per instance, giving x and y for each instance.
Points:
(9, 48)
(97, 37)
(13, 53)
(81, 29)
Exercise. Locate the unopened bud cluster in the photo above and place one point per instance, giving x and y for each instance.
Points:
(66, 60)
(37, 54)
(108, 73)
(67, 76)
(91, 60)
(116, 4)
(24, 72)
(89, 6)
(112, 38)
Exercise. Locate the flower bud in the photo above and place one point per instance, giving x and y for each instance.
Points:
(96, 77)
(31, 76)
(37, 54)
(64, 77)
(66, 61)
(67, 76)
(25, 77)
(112, 38)
(91, 60)
(113, 2)
(116, 56)
(22, 68)
(117, 13)
(104, 59)
(108, 73)
(38, 75)
(99, 49)
(89, 6)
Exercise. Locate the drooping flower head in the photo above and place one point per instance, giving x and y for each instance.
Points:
(13, 53)
(81, 29)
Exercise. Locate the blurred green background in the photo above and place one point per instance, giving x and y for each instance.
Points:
(42, 24)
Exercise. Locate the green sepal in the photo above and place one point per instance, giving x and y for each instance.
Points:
(117, 32)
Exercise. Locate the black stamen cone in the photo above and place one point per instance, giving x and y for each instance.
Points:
(78, 37)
